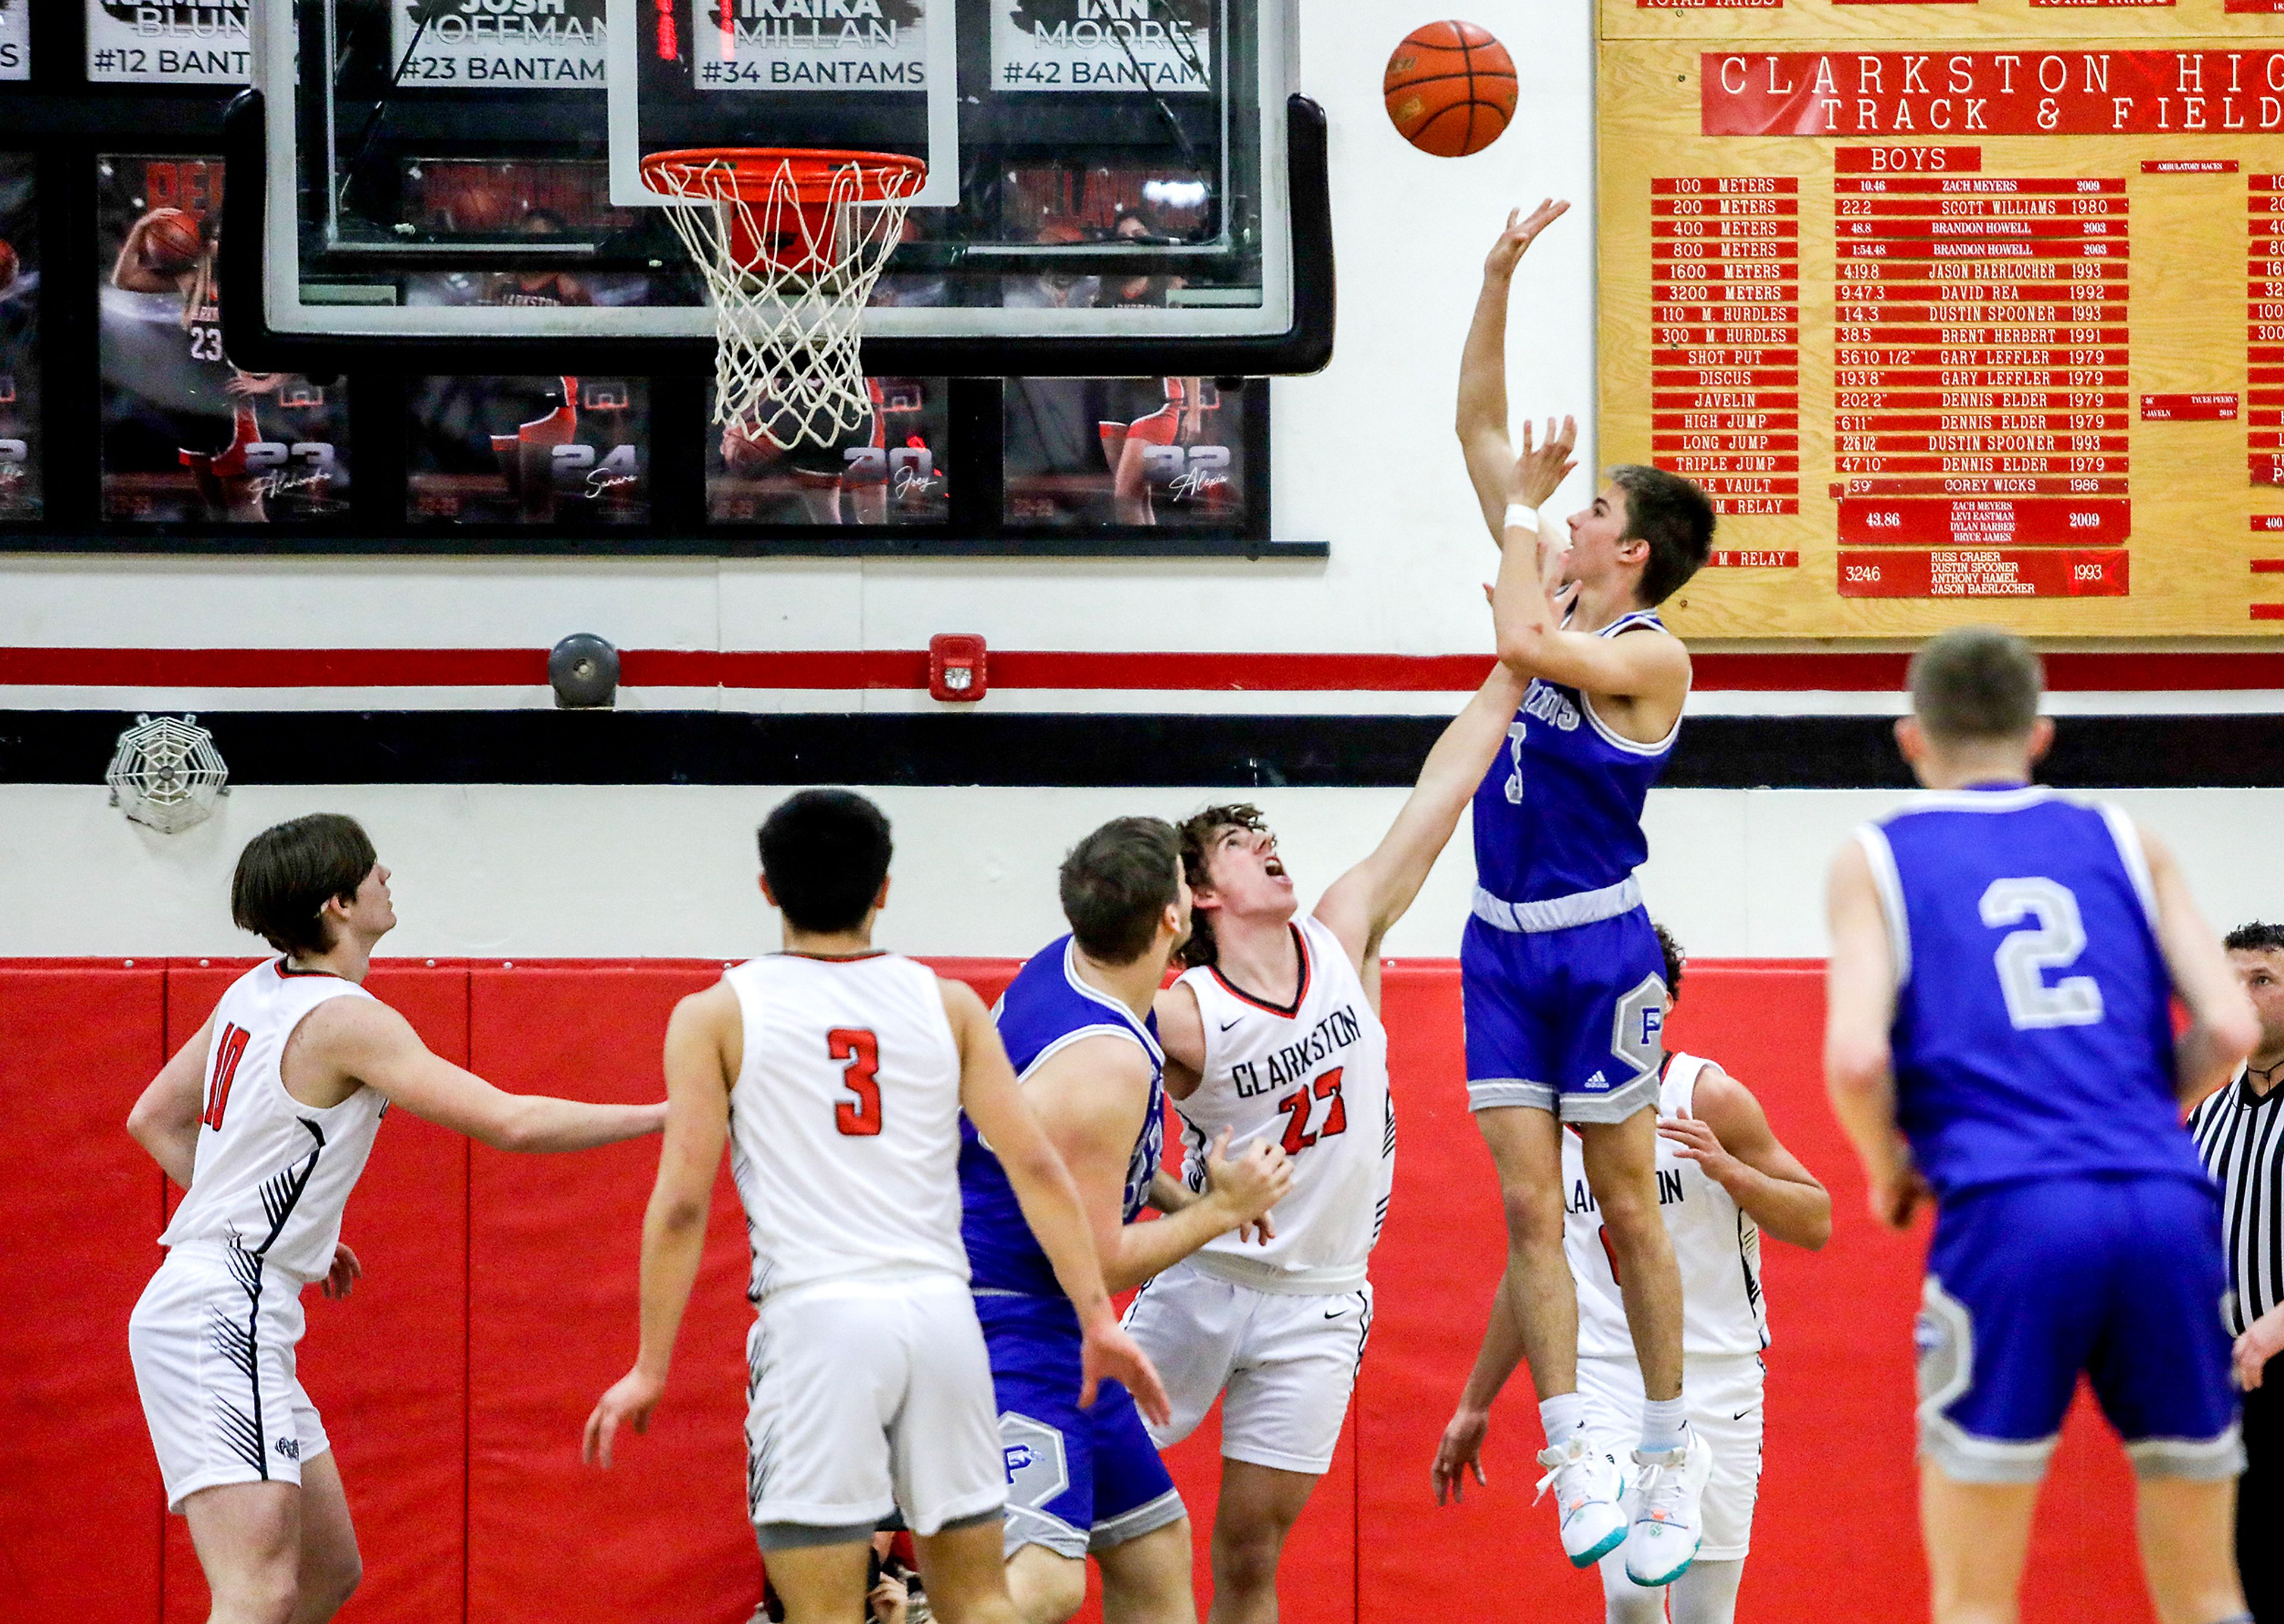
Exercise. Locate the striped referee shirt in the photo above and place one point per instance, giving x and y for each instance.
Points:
(2237, 1136)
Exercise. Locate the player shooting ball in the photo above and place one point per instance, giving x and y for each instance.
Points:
(169, 251)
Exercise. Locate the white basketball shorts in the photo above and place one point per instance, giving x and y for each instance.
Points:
(1724, 1395)
(864, 1396)
(212, 1340)
(1286, 1364)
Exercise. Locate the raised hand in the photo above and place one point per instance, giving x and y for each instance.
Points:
(1542, 465)
(1515, 239)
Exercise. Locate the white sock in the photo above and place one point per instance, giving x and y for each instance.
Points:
(1665, 1426)
(1561, 1415)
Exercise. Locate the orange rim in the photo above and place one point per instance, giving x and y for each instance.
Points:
(748, 171)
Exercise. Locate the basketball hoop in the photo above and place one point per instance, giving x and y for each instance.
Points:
(790, 242)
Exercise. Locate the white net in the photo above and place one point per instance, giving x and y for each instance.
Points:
(790, 253)
(167, 773)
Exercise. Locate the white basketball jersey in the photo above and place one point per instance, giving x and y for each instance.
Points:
(1313, 1078)
(1717, 1245)
(844, 1121)
(271, 1173)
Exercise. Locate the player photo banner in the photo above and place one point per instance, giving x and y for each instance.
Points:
(811, 45)
(188, 437)
(565, 451)
(1161, 46)
(499, 44)
(167, 42)
(15, 39)
(886, 468)
(1083, 452)
(19, 342)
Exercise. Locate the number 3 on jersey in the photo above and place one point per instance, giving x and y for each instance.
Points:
(229, 1048)
(861, 1075)
(1298, 1105)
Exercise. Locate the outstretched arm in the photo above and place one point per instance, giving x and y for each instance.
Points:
(366, 1040)
(1461, 1449)
(706, 1031)
(1483, 365)
(1371, 896)
(1859, 992)
(2222, 1029)
(165, 1121)
(1068, 1232)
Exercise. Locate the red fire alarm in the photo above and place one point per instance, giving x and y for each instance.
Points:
(955, 665)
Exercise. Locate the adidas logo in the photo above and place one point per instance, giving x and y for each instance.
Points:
(1596, 1080)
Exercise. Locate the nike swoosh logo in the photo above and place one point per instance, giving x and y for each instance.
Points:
(1227, 1025)
(1741, 1414)
(1336, 1313)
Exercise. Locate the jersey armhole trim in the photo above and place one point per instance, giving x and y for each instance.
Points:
(1888, 882)
(1105, 1030)
(2128, 840)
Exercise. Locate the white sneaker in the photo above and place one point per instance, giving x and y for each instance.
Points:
(1668, 1522)
(1590, 1492)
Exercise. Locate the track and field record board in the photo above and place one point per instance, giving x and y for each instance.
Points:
(1948, 303)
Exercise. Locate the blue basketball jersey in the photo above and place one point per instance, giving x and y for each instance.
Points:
(1045, 1008)
(2033, 1034)
(1560, 813)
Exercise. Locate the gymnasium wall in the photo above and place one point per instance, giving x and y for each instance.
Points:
(500, 1294)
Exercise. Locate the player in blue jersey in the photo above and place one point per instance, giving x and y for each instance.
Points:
(1078, 1025)
(2000, 1036)
(1560, 969)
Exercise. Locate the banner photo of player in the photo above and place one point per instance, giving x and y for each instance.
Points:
(188, 437)
(179, 42)
(15, 39)
(1160, 47)
(452, 198)
(806, 45)
(570, 451)
(886, 470)
(524, 44)
(19, 340)
(1084, 452)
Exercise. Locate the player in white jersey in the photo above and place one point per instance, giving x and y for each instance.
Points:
(1273, 1036)
(837, 1073)
(1723, 1178)
(265, 1118)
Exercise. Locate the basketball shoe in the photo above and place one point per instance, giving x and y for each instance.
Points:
(1590, 1492)
(1668, 1520)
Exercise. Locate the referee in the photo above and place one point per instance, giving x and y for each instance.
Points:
(2237, 1134)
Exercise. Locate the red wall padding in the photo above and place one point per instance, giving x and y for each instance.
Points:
(500, 1299)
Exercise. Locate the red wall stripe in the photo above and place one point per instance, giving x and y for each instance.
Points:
(1044, 668)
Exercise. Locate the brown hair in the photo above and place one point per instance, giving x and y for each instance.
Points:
(1116, 885)
(288, 872)
(1975, 683)
(1199, 832)
(1675, 517)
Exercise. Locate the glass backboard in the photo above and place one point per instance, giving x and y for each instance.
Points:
(1112, 185)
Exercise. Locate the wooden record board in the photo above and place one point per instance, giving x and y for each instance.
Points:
(1963, 312)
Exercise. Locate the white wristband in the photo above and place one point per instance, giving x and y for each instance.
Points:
(1519, 516)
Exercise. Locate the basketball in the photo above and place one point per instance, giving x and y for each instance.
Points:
(172, 241)
(7, 262)
(1451, 89)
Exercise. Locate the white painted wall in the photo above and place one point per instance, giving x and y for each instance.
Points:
(528, 871)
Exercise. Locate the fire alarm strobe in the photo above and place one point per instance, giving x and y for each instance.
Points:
(955, 665)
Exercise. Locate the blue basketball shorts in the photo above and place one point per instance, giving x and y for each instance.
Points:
(2029, 1283)
(1077, 1479)
(1565, 1021)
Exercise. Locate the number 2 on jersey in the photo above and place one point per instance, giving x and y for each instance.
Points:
(2025, 955)
(229, 1048)
(1297, 1105)
(861, 1076)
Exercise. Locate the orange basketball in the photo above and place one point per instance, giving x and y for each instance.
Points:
(1451, 89)
(171, 244)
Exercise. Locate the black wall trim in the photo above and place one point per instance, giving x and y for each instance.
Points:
(532, 746)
